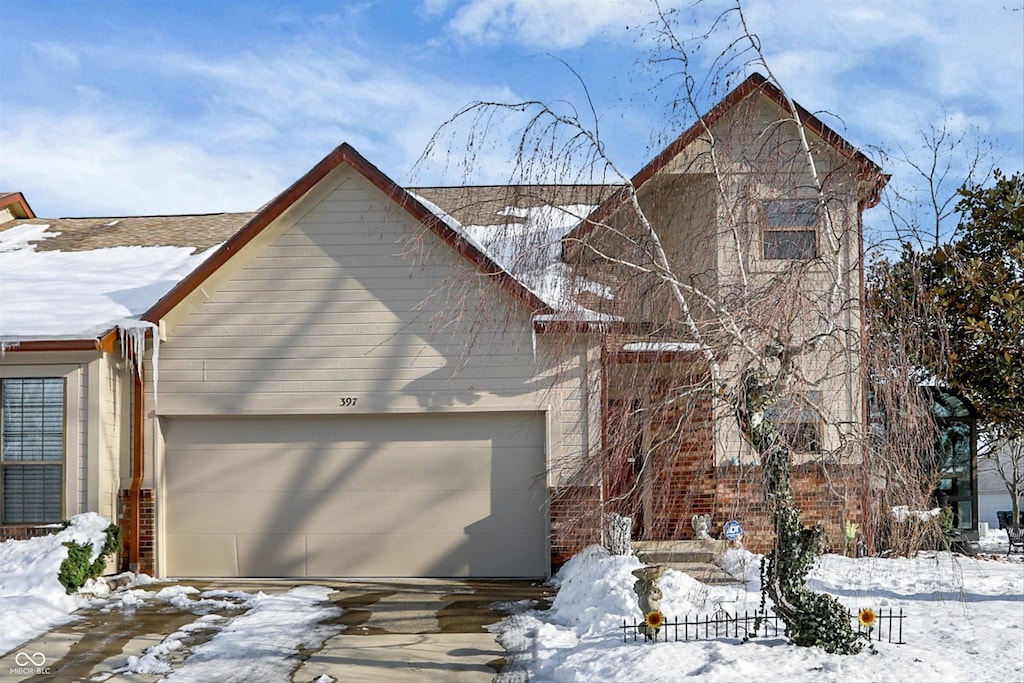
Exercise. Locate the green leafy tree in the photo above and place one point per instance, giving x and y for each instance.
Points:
(957, 309)
(978, 282)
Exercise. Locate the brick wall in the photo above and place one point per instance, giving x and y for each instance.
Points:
(575, 521)
(683, 482)
(147, 531)
(826, 494)
(21, 532)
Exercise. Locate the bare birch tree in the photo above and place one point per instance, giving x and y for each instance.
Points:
(723, 286)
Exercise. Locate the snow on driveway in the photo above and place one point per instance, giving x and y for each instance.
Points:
(965, 618)
(261, 644)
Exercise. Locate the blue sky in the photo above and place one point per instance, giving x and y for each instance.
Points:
(138, 107)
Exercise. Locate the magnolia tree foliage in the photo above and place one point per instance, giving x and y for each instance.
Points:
(956, 311)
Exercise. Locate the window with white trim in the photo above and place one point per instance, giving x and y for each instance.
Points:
(790, 229)
(31, 450)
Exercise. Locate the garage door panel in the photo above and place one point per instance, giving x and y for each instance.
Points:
(437, 555)
(215, 553)
(428, 512)
(313, 471)
(466, 499)
(523, 510)
(362, 430)
(335, 466)
(270, 555)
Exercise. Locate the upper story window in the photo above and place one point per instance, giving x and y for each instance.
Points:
(789, 229)
(31, 450)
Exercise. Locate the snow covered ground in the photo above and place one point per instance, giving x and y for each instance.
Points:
(32, 600)
(965, 620)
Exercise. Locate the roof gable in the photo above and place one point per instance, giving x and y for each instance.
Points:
(755, 84)
(344, 154)
(14, 205)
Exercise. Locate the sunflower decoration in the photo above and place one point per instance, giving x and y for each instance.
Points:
(866, 617)
(653, 621)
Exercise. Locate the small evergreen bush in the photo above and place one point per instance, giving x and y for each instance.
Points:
(78, 567)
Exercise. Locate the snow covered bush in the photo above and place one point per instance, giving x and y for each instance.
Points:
(84, 562)
(32, 598)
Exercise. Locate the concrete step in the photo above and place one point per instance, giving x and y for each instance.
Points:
(684, 552)
(693, 557)
(705, 573)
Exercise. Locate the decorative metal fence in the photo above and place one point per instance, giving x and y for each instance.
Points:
(888, 626)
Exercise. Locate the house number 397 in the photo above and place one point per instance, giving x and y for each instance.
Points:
(347, 401)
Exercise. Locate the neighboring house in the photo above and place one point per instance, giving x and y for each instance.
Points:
(309, 390)
(993, 495)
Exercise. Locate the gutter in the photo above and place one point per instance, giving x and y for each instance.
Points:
(104, 343)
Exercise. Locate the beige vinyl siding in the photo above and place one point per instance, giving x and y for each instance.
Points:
(327, 304)
(109, 450)
(331, 307)
(83, 439)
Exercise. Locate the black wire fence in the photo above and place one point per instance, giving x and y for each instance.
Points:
(887, 626)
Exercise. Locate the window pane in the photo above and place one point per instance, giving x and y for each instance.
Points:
(790, 213)
(789, 244)
(32, 424)
(798, 422)
(964, 516)
(31, 493)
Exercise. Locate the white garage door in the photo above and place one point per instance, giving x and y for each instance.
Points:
(455, 495)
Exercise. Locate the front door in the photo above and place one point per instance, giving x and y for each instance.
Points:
(623, 488)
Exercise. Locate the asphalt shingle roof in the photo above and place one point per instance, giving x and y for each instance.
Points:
(200, 231)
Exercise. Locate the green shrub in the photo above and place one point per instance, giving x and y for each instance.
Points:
(78, 568)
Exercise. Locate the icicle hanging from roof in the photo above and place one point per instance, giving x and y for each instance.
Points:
(133, 346)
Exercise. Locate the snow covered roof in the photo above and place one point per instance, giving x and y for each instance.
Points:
(521, 229)
(77, 278)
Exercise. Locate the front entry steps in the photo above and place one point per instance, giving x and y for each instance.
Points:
(692, 557)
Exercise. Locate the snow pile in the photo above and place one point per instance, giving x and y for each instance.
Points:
(962, 616)
(32, 600)
(81, 294)
(531, 249)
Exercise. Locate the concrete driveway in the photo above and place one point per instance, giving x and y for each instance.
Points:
(387, 630)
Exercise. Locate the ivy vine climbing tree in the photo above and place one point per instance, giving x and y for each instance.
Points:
(812, 619)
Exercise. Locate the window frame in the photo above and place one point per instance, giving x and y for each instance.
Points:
(797, 220)
(67, 386)
(799, 422)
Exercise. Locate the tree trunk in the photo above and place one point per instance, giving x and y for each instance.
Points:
(811, 618)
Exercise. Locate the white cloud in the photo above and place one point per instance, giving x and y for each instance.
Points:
(124, 127)
(961, 58)
(548, 23)
(57, 54)
(256, 122)
(104, 162)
